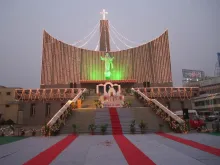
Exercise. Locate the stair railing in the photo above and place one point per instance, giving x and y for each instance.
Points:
(62, 110)
(161, 106)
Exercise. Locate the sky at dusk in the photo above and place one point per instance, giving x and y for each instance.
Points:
(193, 26)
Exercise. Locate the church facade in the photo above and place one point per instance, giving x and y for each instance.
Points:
(63, 64)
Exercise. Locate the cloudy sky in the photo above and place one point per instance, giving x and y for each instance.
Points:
(194, 31)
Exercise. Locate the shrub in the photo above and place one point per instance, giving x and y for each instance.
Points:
(74, 128)
(143, 126)
(132, 127)
(9, 122)
(92, 128)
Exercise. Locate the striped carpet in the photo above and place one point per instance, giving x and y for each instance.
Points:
(112, 150)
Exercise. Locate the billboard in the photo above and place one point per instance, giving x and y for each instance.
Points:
(193, 75)
(218, 54)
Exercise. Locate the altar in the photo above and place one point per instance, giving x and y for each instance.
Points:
(110, 97)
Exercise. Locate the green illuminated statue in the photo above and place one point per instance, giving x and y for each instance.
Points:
(108, 65)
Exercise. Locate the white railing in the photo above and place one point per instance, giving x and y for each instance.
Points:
(161, 106)
(54, 119)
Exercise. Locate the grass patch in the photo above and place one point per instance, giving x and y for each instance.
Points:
(215, 133)
(10, 139)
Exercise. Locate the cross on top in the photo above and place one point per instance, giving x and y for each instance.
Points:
(103, 14)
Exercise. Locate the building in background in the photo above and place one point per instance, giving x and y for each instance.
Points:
(217, 66)
(9, 106)
(209, 99)
(207, 104)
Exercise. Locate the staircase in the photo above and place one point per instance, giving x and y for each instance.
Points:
(126, 116)
(82, 118)
(102, 117)
(89, 102)
(134, 101)
(118, 120)
(116, 125)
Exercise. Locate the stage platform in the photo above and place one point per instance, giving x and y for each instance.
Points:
(104, 81)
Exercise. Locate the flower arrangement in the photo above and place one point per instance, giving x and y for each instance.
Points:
(2, 132)
(127, 104)
(158, 112)
(69, 112)
(22, 131)
(82, 97)
(33, 131)
(98, 103)
(167, 119)
(54, 130)
(45, 130)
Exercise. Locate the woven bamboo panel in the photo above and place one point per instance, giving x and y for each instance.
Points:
(63, 63)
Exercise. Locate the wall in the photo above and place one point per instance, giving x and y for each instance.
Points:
(40, 117)
(8, 105)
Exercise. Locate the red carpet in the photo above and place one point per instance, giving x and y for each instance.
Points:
(116, 125)
(47, 156)
(209, 149)
(132, 154)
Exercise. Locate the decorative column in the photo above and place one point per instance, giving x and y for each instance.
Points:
(119, 89)
(97, 89)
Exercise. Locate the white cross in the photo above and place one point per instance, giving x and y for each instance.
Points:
(103, 14)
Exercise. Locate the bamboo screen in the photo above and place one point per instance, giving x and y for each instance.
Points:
(63, 63)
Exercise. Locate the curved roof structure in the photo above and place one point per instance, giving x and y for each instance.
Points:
(63, 63)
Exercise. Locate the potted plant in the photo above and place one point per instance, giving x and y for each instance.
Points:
(33, 132)
(132, 127)
(143, 126)
(97, 103)
(74, 128)
(104, 128)
(75, 106)
(92, 128)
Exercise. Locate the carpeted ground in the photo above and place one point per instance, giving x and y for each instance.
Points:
(167, 149)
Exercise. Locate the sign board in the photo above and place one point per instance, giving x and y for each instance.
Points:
(193, 75)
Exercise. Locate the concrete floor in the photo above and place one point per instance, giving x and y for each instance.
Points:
(103, 150)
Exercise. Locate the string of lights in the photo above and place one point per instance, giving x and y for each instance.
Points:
(122, 35)
(87, 35)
